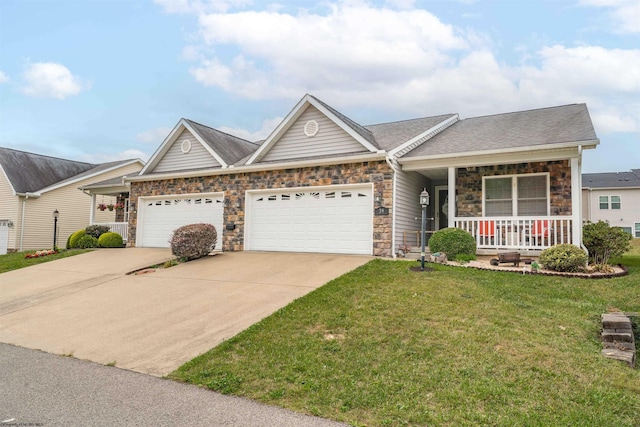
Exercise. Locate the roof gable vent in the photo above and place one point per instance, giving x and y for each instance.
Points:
(311, 128)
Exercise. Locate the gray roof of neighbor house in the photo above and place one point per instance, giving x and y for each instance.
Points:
(229, 147)
(612, 179)
(29, 172)
(553, 125)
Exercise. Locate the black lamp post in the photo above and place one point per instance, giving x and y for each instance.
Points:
(424, 202)
(55, 227)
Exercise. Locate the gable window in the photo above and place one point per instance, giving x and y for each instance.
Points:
(516, 195)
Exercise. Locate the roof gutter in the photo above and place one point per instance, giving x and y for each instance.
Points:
(580, 144)
(368, 157)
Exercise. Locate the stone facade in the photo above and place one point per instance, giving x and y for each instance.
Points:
(469, 185)
(234, 186)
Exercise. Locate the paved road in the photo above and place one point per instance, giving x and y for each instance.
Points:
(38, 388)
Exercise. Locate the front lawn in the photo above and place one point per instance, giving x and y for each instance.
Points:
(16, 260)
(384, 346)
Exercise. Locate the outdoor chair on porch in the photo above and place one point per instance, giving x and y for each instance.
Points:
(539, 231)
(487, 232)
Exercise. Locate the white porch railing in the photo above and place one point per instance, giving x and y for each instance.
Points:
(122, 228)
(517, 232)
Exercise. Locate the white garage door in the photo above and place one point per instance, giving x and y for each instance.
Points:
(159, 217)
(331, 220)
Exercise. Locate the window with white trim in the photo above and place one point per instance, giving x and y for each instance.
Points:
(603, 202)
(637, 229)
(516, 195)
(615, 202)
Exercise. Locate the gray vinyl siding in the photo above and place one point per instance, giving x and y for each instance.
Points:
(330, 140)
(175, 159)
(409, 185)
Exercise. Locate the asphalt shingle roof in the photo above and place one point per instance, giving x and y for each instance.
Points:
(30, 173)
(229, 147)
(568, 123)
(612, 179)
(390, 135)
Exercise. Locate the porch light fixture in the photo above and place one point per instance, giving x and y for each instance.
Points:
(424, 202)
(239, 202)
(55, 227)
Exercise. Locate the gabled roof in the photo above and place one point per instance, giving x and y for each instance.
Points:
(358, 132)
(29, 172)
(612, 179)
(522, 129)
(226, 149)
(35, 173)
(389, 135)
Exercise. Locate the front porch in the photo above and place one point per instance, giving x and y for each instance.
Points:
(113, 208)
(495, 234)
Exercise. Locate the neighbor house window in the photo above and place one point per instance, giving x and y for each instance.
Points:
(615, 202)
(517, 195)
(637, 229)
(604, 202)
(627, 230)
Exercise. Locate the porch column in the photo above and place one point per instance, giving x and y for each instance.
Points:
(576, 202)
(452, 196)
(92, 211)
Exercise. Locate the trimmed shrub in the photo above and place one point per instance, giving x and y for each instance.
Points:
(96, 230)
(69, 242)
(193, 241)
(73, 239)
(87, 241)
(454, 242)
(604, 242)
(564, 257)
(110, 240)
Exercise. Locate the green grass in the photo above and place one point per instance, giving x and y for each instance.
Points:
(384, 346)
(16, 260)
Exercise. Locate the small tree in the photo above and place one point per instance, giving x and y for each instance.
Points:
(603, 241)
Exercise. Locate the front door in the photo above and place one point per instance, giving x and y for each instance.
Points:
(442, 207)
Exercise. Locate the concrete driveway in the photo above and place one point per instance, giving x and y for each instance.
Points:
(86, 305)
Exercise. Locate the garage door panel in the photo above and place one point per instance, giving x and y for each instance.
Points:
(311, 220)
(160, 217)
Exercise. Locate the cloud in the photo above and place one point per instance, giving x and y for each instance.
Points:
(3, 78)
(153, 136)
(50, 80)
(406, 62)
(200, 6)
(267, 127)
(624, 15)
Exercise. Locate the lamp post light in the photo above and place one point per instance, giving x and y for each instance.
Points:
(55, 227)
(424, 202)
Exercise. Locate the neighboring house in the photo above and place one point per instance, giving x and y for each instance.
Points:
(33, 186)
(613, 197)
(323, 183)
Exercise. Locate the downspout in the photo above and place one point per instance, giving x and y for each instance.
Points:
(584, 248)
(24, 208)
(393, 206)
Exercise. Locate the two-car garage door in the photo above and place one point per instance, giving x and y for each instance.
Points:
(159, 217)
(334, 219)
(331, 219)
